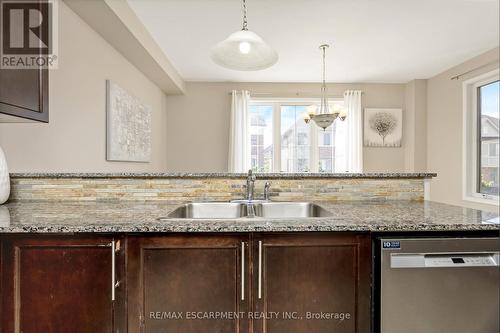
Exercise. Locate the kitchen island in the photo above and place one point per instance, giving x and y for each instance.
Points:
(99, 252)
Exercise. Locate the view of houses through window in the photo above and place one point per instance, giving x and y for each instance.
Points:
(261, 136)
(489, 144)
(281, 141)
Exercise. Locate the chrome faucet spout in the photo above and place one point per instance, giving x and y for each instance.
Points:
(250, 185)
(267, 190)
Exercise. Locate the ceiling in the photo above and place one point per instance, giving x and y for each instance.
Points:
(372, 40)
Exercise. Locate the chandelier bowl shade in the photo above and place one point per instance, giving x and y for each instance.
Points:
(245, 51)
(324, 120)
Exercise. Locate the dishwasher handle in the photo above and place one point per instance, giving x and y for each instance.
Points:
(437, 260)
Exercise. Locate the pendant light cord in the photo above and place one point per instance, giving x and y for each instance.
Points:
(245, 22)
(324, 98)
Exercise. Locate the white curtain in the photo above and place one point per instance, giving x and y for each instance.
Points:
(354, 131)
(239, 137)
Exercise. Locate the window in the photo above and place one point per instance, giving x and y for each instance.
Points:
(481, 138)
(286, 142)
(488, 138)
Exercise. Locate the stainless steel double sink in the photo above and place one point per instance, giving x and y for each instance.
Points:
(233, 210)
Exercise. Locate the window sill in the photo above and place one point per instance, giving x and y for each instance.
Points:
(490, 200)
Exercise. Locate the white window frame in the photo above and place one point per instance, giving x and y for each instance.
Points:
(277, 103)
(470, 137)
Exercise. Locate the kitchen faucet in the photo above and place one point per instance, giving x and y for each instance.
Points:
(251, 178)
(250, 185)
(251, 191)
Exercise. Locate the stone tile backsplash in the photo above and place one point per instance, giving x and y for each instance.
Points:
(177, 190)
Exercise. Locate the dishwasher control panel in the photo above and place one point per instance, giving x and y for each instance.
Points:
(421, 260)
(460, 260)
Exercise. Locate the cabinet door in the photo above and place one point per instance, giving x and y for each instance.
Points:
(25, 92)
(312, 283)
(181, 283)
(58, 285)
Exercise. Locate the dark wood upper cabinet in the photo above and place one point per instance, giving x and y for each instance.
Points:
(303, 279)
(187, 277)
(24, 93)
(59, 285)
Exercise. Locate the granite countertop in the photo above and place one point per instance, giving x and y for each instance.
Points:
(133, 216)
(224, 175)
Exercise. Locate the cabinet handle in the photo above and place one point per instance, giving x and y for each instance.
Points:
(260, 271)
(115, 247)
(242, 271)
(113, 269)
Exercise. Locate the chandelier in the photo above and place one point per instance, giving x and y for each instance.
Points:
(324, 118)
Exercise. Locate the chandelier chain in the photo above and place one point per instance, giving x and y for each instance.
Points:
(324, 98)
(324, 66)
(245, 22)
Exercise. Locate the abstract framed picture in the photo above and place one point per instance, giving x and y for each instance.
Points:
(128, 122)
(383, 127)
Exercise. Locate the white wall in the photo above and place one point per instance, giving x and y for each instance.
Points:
(444, 129)
(195, 137)
(415, 126)
(198, 122)
(74, 140)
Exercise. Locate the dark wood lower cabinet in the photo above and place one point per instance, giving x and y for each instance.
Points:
(184, 283)
(312, 283)
(58, 285)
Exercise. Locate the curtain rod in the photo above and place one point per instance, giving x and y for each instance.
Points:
(292, 95)
(456, 77)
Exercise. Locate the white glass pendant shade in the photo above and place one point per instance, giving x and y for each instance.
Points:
(245, 51)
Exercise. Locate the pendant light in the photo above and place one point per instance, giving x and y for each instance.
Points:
(325, 118)
(244, 50)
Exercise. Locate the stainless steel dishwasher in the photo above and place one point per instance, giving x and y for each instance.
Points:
(440, 285)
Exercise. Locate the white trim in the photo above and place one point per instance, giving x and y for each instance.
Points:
(294, 100)
(487, 199)
(427, 189)
(470, 136)
(314, 153)
(276, 138)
